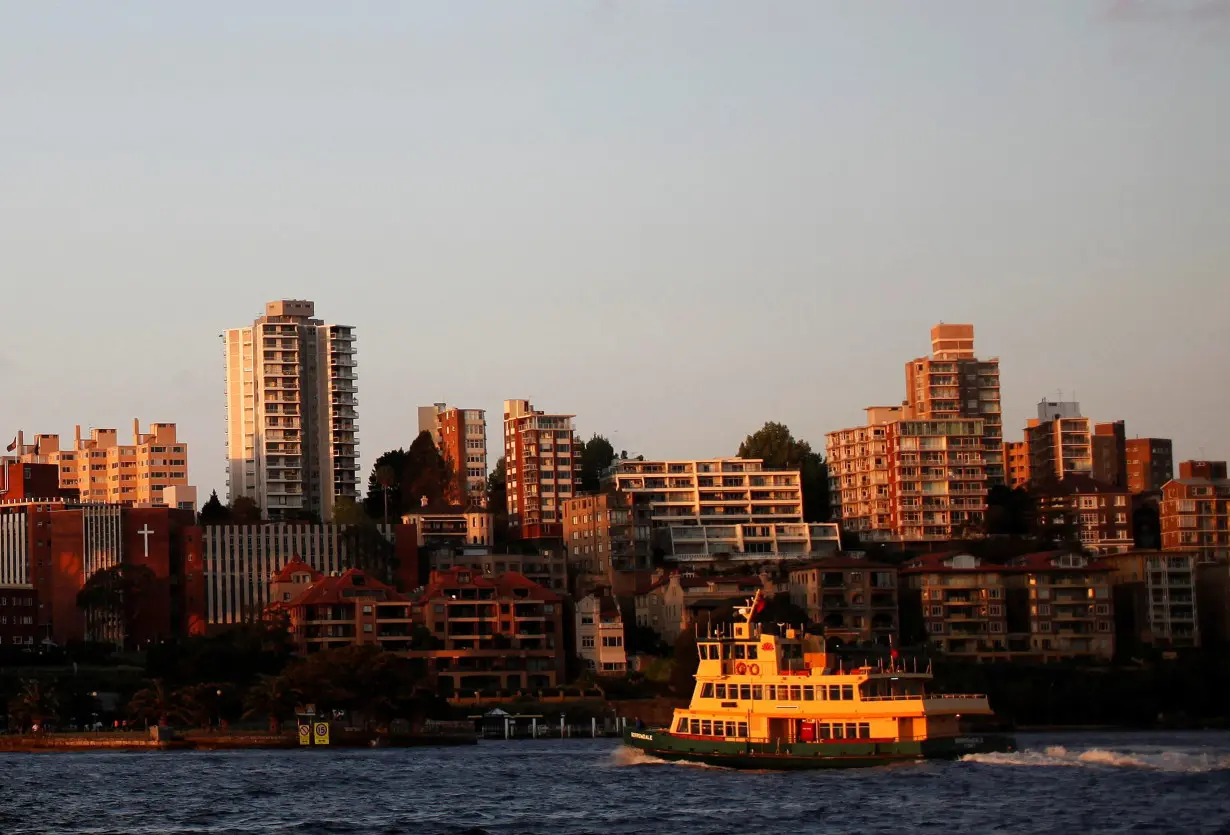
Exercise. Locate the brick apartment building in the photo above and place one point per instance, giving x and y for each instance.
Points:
(541, 469)
(1110, 453)
(1195, 517)
(1149, 463)
(901, 480)
(855, 599)
(1059, 441)
(461, 437)
(1081, 508)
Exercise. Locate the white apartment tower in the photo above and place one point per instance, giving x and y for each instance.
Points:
(291, 420)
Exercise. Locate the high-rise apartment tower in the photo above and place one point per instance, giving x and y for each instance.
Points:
(291, 419)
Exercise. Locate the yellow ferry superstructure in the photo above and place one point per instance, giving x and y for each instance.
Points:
(762, 696)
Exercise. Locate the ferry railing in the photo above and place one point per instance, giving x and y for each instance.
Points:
(922, 697)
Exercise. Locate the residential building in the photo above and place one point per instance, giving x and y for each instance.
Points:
(541, 470)
(664, 605)
(291, 412)
(452, 526)
(1097, 514)
(1045, 606)
(229, 575)
(721, 491)
(600, 635)
(1109, 445)
(548, 569)
(1060, 441)
(958, 602)
(1150, 463)
(854, 599)
(18, 617)
(502, 633)
(1016, 463)
(1069, 612)
(901, 480)
(103, 471)
(953, 383)
(1195, 518)
(693, 544)
(1155, 599)
(347, 609)
(1201, 469)
(461, 437)
(601, 537)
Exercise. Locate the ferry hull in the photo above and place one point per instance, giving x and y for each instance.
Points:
(664, 745)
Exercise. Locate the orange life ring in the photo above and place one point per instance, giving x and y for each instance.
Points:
(754, 669)
(740, 668)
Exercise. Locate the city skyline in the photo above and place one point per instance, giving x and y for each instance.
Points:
(555, 206)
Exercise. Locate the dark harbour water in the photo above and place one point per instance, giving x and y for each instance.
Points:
(1061, 783)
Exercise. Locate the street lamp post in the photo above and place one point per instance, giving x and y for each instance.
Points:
(219, 710)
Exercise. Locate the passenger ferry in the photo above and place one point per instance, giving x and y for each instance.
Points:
(776, 702)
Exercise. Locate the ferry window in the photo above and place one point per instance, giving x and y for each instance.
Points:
(732, 729)
(809, 693)
(834, 692)
(745, 692)
(851, 730)
(770, 692)
(696, 727)
(721, 691)
(825, 730)
(706, 692)
(847, 692)
(751, 651)
(757, 692)
(739, 651)
(821, 692)
(796, 694)
(706, 728)
(683, 726)
(704, 652)
(864, 730)
(838, 731)
(743, 729)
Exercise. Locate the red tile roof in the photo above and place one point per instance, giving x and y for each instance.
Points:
(295, 566)
(333, 590)
(503, 584)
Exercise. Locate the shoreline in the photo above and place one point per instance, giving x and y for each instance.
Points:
(136, 742)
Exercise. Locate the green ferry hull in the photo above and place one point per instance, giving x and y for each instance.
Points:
(664, 745)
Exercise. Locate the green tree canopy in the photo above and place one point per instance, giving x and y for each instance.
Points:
(777, 446)
(596, 455)
(386, 476)
(497, 503)
(410, 474)
(213, 512)
(245, 511)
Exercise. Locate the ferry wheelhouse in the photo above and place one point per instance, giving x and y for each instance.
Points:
(780, 701)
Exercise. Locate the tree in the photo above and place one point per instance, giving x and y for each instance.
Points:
(427, 474)
(197, 704)
(497, 503)
(777, 447)
(385, 482)
(1146, 527)
(596, 455)
(116, 595)
(245, 511)
(1009, 511)
(273, 697)
(152, 704)
(34, 704)
(346, 511)
(213, 512)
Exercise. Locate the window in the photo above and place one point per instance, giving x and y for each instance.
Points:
(721, 691)
(771, 693)
(796, 693)
(847, 692)
(864, 730)
(367, 627)
(732, 729)
(809, 693)
(743, 729)
(587, 641)
(696, 727)
(757, 693)
(834, 692)
(745, 692)
(706, 727)
(367, 610)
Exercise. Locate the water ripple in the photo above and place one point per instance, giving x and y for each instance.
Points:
(1060, 784)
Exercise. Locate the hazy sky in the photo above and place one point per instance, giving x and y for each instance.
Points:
(675, 219)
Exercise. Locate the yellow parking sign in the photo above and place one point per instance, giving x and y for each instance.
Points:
(305, 735)
(322, 733)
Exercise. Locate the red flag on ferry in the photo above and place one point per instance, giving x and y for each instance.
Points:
(758, 608)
